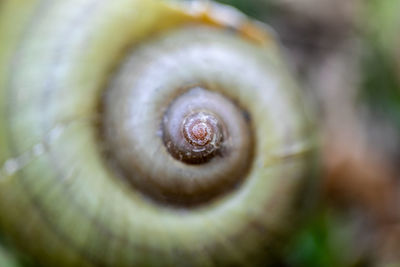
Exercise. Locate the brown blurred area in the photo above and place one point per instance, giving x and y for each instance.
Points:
(359, 172)
(326, 43)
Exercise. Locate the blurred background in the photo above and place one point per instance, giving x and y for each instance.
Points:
(346, 55)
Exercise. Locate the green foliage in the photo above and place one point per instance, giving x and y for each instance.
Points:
(380, 86)
(324, 241)
(7, 259)
(256, 9)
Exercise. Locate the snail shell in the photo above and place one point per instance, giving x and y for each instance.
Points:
(139, 133)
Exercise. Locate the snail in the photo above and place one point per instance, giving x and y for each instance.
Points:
(147, 133)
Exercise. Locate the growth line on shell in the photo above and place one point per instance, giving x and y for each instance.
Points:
(14, 164)
(292, 151)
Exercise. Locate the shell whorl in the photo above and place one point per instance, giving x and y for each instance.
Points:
(91, 158)
(193, 131)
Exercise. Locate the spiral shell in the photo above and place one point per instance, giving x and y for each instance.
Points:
(87, 89)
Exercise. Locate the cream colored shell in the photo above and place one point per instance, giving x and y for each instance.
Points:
(59, 200)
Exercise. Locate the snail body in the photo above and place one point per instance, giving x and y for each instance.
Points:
(143, 133)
